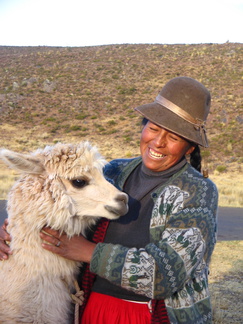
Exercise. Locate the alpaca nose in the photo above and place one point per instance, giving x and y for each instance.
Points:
(122, 197)
(121, 207)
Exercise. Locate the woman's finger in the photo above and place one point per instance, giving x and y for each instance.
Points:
(50, 239)
(4, 250)
(4, 235)
(5, 224)
(51, 231)
(4, 256)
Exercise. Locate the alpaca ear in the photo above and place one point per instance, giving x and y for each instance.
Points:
(23, 163)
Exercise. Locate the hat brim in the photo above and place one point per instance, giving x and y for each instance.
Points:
(167, 119)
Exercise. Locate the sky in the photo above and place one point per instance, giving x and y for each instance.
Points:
(103, 22)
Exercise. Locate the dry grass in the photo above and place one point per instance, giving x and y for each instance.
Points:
(225, 282)
(230, 187)
(7, 178)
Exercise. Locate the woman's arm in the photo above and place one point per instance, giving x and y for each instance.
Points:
(158, 270)
(179, 251)
(76, 248)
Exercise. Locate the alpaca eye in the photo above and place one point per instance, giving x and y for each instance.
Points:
(79, 183)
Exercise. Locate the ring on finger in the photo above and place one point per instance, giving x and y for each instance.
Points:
(58, 244)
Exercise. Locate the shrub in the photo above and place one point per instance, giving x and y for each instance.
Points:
(81, 116)
(111, 122)
(221, 168)
(112, 131)
(205, 154)
(49, 119)
(75, 128)
(127, 138)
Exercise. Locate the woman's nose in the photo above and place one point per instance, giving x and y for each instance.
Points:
(160, 140)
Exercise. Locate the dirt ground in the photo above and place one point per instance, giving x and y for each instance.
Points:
(225, 282)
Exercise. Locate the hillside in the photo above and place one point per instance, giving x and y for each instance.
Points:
(50, 94)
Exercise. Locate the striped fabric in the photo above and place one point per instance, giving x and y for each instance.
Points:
(159, 313)
(88, 277)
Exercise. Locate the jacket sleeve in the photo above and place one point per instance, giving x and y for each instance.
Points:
(183, 235)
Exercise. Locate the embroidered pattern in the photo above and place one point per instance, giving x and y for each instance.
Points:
(137, 273)
(189, 244)
(169, 202)
(174, 266)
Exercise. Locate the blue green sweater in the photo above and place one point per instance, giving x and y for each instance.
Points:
(174, 265)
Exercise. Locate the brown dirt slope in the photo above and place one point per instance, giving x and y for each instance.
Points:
(48, 94)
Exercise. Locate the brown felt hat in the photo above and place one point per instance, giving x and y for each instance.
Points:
(182, 107)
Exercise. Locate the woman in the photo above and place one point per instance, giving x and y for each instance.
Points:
(151, 265)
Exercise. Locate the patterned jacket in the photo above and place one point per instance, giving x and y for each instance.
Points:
(174, 265)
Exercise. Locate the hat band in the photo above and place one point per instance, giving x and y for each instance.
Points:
(177, 110)
(198, 123)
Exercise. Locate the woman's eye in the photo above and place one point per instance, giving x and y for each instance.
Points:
(153, 129)
(79, 183)
(174, 138)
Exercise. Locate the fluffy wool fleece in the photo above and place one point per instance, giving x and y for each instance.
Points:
(61, 186)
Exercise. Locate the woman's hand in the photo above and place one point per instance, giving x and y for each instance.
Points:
(4, 237)
(76, 248)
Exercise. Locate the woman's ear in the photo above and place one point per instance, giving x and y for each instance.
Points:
(190, 150)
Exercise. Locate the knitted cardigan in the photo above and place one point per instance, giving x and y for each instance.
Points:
(174, 266)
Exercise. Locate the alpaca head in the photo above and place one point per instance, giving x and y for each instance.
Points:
(62, 186)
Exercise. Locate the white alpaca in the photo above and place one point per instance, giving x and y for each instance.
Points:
(62, 187)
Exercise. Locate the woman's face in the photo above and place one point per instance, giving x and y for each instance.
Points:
(161, 149)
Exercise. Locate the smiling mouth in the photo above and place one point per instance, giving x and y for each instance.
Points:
(156, 155)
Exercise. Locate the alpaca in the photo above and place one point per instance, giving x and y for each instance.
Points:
(61, 186)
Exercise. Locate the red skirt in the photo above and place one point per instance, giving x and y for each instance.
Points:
(104, 309)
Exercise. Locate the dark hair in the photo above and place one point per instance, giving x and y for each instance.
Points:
(196, 159)
(144, 121)
(195, 156)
